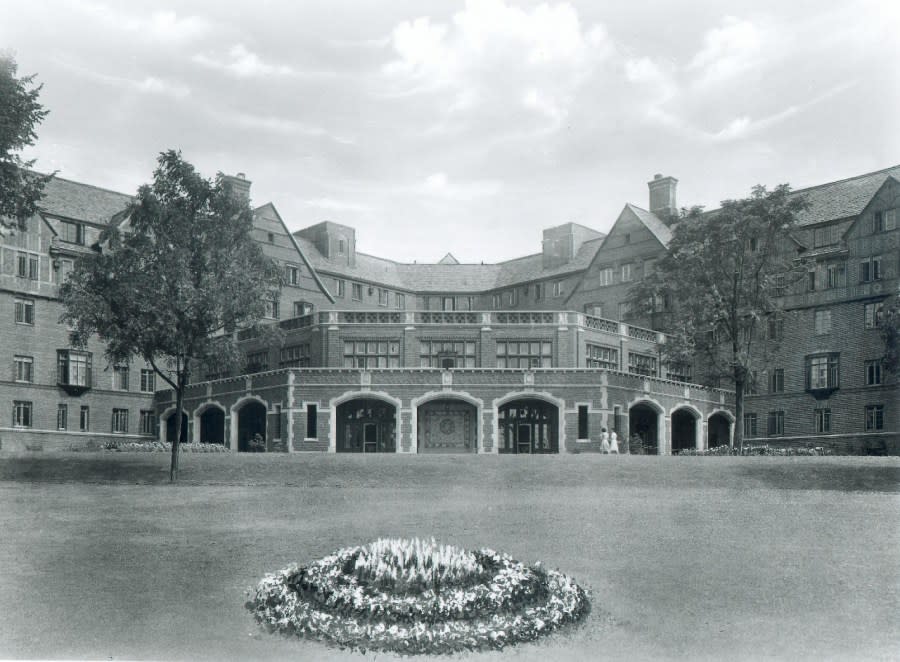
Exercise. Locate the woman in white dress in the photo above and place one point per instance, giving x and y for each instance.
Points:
(604, 441)
(613, 443)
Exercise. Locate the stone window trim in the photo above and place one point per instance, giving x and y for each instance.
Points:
(25, 311)
(23, 414)
(23, 369)
(535, 352)
(874, 421)
(874, 372)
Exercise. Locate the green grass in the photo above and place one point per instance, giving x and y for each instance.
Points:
(687, 558)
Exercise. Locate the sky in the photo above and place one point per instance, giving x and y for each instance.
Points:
(463, 127)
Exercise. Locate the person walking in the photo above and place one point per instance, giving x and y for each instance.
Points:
(604, 441)
(613, 442)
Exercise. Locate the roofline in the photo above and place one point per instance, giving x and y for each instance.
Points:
(72, 181)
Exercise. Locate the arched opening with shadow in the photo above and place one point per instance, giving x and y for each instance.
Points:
(643, 429)
(528, 425)
(718, 431)
(684, 430)
(212, 426)
(366, 425)
(251, 421)
(447, 425)
(172, 430)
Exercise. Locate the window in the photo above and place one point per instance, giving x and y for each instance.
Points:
(750, 425)
(277, 431)
(626, 272)
(776, 381)
(271, 237)
(495, 301)
(291, 274)
(642, 364)
(601, 356)
(62, 417)
(120, 421)
(823, 322)
(873, 373)
(679, 372)
(753, 244)
(33, 267)
(24, 368)
(605, 276)
(383, 296)
(811, 280)
(524, 354)
(24, 311)
(302, 308)
(84, 418)
(538, 291)
(822, 372)
(884, 221)
(827, 236)
(148, 422)
(583, 432)
(775, 328)
(339, 287)
(467, 303)
(258, 361)
(624, 310)
(356, 292)
(73, 368)
(447, 354)
(120, 377)
(22, 414)
(870, 269)
(559, 288)
(512, 297)
(148, 381)
(836, 275)
(874, 313)
(72, 233)
(780, 285)
(649, 266)
(341, 246)
(400, 301)
(823, 420)
(273, 308)
(295, 356)
(776, 424)
(312, 423)
(372, 354)
(627, 238)
(874, 417)
(593, 309)
(22, 265)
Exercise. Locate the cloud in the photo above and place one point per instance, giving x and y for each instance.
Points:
(146, 85)
(438, 184)
(730, 49)
(274, 124)
(165, 26)
(337, 205)
(243, 63)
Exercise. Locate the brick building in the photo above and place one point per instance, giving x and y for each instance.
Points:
(535, 354)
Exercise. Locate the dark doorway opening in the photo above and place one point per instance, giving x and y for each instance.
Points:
(171, 430)
(366, 425)
(212, 426)
(528, 426)
(251, 422)
(718, 431)
(684, 430)
(643, 423)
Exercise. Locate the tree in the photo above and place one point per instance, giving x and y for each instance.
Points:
(172, 278)
(890, 334)
(721, 281)
(20, 111)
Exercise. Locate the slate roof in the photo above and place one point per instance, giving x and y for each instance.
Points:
(844, 198)
(652, 222)
(83, 202)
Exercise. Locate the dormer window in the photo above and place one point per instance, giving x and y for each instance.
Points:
(72, 233)
(341, 246)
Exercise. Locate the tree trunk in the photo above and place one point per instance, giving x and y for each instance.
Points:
(179, 402)
(738, 414)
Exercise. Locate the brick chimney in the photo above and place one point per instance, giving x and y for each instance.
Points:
(239, 184)
(662, 196)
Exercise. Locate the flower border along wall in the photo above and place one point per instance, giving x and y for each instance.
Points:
(414, 596)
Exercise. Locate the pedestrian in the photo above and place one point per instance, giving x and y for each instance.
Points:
(613, 443)
(604, 441)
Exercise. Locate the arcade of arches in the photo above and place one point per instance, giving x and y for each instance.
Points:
(684, 430)
(251, 421)
(447, 426)
(528, 426)
(366, 425)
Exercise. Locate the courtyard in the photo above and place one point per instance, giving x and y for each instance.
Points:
(685, 557)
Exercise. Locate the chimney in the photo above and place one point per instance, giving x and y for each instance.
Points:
(662, 196)
(240, 185)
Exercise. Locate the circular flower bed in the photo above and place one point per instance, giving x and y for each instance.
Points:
(414, 596)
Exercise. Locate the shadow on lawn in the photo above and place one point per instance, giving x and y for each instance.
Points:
(826, 476)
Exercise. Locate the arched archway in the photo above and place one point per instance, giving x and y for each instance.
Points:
(643, 429)
(251, 421)
(528, 425)
(172, 430)
(209, 424)
(447, 425)
(366, 425)
(684, 429)
(718, 430)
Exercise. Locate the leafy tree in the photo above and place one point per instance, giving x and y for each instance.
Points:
(719, 285)
(20, 111)
(172, 277)
(890, 333)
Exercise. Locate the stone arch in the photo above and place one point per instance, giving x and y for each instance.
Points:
(687, 428)
(647, 419)
(209, 423)
(558, 403)
(236, 426)
(460, 396)
(386, 432)
(720, 428)
(167, 427)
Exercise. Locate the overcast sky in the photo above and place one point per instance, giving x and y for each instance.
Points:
(464, 127)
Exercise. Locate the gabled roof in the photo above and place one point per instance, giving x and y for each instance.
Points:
(653, 223)
(83, 202)
(843, 198)
(448, 259)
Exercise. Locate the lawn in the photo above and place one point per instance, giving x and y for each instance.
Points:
(686, 558)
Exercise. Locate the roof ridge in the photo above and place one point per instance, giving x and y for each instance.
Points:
(846, 179)
(93, 186)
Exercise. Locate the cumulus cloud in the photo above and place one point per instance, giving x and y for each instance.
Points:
(731, 48)
(439, 184)
(158, 25)
(243, 63)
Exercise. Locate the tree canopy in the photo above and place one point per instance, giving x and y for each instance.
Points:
(717, 290)
(173, 277)
(20, 112)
